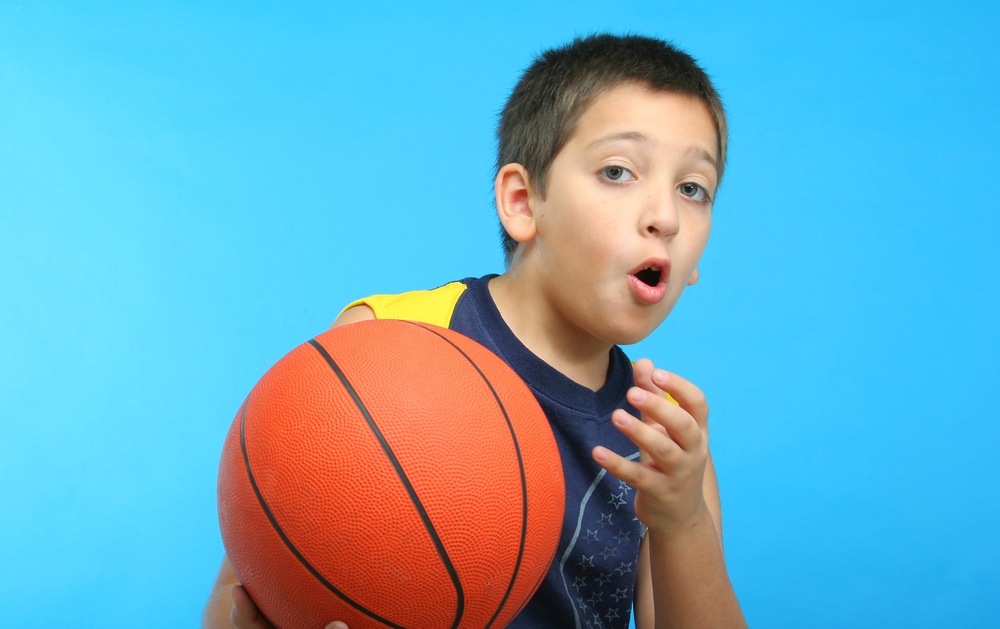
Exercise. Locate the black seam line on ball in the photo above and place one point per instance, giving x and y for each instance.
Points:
(288, 542)
(414, 498)
(520, 464)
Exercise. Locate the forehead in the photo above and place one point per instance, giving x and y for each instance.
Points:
(664, 119)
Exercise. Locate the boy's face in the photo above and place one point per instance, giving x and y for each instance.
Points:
(627, 212)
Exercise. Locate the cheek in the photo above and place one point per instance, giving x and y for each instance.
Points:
(698, 230)
(588, 237)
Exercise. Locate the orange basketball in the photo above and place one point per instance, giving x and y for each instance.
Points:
(390, 474)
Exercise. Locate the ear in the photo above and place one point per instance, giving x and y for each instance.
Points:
(693, 279)
(513, 196)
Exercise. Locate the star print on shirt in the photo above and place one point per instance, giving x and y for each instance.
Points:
(616, 500)
(607, 536)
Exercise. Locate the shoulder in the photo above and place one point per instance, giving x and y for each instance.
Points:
(353, 314)
(435, 306)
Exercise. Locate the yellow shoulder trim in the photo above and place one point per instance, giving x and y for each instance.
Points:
(427, 306)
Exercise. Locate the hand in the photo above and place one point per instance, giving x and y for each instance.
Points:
(246, 615)
(673, 446)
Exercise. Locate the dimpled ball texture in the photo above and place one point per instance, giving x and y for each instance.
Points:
(390, 474)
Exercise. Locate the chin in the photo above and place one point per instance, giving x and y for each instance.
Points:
(629, 336)
(630, 340)
(632, 332)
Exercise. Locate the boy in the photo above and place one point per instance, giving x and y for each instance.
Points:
(610, 153)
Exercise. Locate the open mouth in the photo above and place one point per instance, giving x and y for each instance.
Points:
(649, 276)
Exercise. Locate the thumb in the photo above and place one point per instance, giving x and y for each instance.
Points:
(245, 613)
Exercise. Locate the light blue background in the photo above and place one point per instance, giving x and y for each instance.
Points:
(187, 191)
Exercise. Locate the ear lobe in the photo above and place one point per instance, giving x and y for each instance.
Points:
(513, 198)
(693, 279)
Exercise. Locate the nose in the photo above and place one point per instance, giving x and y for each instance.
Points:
(661, 216)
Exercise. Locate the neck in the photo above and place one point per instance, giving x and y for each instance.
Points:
(538, 324)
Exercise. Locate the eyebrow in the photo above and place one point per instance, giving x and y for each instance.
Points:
(631, 136)
(703, 155)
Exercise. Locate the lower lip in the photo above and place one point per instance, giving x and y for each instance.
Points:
(647, 293)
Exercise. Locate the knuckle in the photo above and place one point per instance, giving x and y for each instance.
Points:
(652, 436)
(665, 450)
(639, 479)
(698, 399)
(628, 476)
(692, 430)
(624, 473)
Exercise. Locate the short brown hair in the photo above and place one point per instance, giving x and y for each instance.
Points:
(560, 84)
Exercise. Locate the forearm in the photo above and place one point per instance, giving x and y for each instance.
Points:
(690, 586)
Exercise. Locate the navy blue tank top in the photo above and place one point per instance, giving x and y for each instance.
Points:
(592, 578)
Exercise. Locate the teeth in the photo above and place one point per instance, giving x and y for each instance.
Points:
(654, 268)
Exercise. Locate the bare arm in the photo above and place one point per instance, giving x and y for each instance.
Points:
(681, 578)
(645, 617)
(355, 314)
(229, 605)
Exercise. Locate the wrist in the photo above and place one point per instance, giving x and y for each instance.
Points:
(695, 522)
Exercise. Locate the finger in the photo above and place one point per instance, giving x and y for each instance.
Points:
(687, 395)
(245, 614)
(336, 624)
(642, 373)
(679, 424)
(664, 451)
(633, 473)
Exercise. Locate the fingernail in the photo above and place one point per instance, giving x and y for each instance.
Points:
(636, 394)
(622, 419)
(659, 375)
(600, 454)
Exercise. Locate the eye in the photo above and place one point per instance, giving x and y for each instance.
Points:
(693, 191)
(617, 174)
